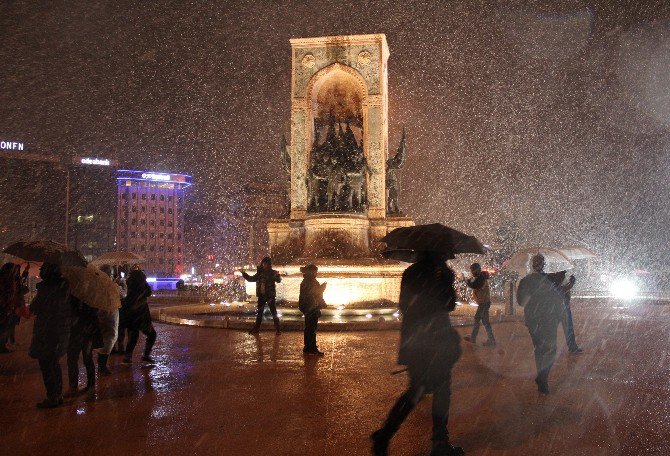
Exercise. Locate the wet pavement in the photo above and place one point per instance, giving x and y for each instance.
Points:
(218, 391)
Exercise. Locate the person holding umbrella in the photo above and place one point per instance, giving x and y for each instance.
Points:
(51, 331)
(542, 301)
(108, 321)
(82, 336)
(429, 347)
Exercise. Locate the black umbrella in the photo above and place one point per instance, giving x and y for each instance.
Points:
(434, 237)
(45, 251)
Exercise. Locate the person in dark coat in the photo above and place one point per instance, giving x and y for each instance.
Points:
(429, 347)
(565, 284)
(542, 301)
(310, 303)
(12, 299)
(84, 334)
(482, 294)
(135, 316)
(266, 291)
(51, 331)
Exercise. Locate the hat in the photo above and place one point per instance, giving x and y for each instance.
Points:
(309, 268)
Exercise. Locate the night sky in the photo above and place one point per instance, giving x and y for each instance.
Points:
(551, 116)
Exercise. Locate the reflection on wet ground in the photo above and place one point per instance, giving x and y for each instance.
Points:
(217, 391)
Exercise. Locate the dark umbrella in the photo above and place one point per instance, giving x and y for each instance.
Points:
(434, 237)
(45, 251)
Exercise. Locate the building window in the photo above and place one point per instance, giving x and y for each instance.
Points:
(133, 222)
(170, 210)
(153, 223)
(134, 195)
(133, 234)
(124, 196)
(153, 209)
(152, 235)
(169, 235)
(142, 248)
(178, 236)
(151, 248)
(162, 197)
(169, 249)
(153, 197)
(144, 196)
(162, 235)
(144, 208)
(162, 210)
(143, 235)
(178, 249)
(160, 248)
(144, 222)
(169, 198)
(162, 222)
(170, 223)
(134, 208)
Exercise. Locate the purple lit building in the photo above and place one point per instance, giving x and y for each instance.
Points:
(150, 219)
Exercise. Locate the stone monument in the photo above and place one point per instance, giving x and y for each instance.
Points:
(343, 184)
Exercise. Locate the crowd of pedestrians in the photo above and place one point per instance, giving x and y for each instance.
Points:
(65, 325)
(429, 345)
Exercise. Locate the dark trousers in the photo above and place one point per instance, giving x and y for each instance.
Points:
(482, 315)
(134, 335)
(543, 335)
(83, 345)
(262, 301)
(409, 399)
(569, 328)
(52, 376)
(311, 322)
(121, 337)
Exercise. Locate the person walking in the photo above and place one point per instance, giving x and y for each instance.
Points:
(310, 303)
(108, 321)
(542, 301)
(51, 331)
(12, 300)
(482, 294)
(121, 283)
(266, 292)
(429, 347)
(565, 285)
(82, 335)
(135, 316)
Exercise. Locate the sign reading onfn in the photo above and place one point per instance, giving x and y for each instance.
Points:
(10, 145)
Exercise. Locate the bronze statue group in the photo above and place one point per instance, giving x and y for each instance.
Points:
(429, 344)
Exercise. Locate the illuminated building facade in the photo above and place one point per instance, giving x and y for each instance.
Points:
(150, 219)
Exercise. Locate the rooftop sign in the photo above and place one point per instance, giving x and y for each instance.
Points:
(94, 161)
(10, 145)
(150, 176)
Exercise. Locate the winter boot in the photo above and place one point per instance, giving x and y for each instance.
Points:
(102, 364)
(380, 443)
(444, 448)
(90, 382)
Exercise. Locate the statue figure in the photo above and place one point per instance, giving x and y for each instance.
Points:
(393, 166)
(356, 183)
(286, 166)
(336, 179)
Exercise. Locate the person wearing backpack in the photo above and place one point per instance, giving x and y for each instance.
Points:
(310, 303)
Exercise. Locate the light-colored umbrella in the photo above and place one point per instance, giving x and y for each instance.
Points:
(554, 259)
(118, 258)
(93, 286)
(575, 252)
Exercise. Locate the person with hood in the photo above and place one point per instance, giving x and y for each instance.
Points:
(565, 285)
(482, 294)
(429, 347)
(136, 318)
(108, 321)
(542, 301)
(51, 331)
(83, 333)
(310, 303)
(266, 292)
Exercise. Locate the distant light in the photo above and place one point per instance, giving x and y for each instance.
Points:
(474, 304)
(337, 316)
(152, 279)
(217, 265)
(184, 276)
(623, 289)
(368, 315)
(340, 307)
(396, 314)
(95, 161)
(192, 270)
